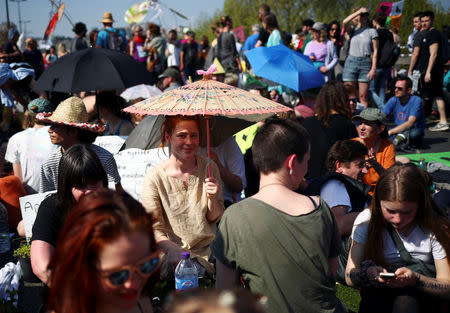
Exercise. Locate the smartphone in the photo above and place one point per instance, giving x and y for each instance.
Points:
(387, 275)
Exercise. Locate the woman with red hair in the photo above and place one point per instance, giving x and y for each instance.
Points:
(104, 257)
(185, 201)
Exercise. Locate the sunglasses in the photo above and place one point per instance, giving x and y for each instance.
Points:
(398, 88)
(354, 100)
(144, 267)
(335, 29)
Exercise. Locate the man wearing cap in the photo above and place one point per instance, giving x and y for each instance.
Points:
(408, 115)
(11, 51)
(69, 126)
(119, 40)
(170, 79)
(28, 149)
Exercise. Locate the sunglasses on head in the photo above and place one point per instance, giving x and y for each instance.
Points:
(144, 267)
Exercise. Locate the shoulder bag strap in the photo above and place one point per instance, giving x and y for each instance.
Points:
(404, 255)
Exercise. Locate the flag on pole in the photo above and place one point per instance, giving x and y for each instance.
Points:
(55, 19)
(136, 13)
(393, 11)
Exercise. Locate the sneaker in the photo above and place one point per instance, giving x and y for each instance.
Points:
(439, 127)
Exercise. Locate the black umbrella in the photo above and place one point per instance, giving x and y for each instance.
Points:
(147, 134)
(93, 69)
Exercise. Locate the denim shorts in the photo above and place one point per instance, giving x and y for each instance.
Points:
(357, 69)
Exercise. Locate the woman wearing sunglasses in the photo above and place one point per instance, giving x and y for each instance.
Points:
(104, 257)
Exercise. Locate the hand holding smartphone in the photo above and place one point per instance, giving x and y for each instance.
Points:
(387, 275)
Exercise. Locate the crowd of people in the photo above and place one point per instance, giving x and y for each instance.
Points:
(285, 208)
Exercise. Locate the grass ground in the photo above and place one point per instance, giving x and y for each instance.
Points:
(350, 296)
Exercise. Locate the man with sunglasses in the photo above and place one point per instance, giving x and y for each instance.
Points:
(408, 114)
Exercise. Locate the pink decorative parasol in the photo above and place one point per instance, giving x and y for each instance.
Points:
(207, 97)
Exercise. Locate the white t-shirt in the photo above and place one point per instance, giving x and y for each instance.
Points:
(173, 55)
(420, 244)
(30, 148)
(361, 43)
(334, 193)
(230, 156)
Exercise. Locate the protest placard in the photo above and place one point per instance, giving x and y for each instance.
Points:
(110, 143)
(133, 164)
(29, 206)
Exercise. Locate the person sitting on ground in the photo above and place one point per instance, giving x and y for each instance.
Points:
(402, 235)
(106, 258)
(408, 115)
(282, 244)
(80, 173)
(184, 197)
(68, 126)
(374, 135)
(170, 79)
(330, 124)
(28, 149)
(117, 123)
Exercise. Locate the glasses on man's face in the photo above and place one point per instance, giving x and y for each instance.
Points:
(144, 267)
(333, 29)
(354, 100)
(399, 88)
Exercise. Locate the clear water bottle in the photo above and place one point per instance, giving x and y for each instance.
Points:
(422, 164)
(186, 273)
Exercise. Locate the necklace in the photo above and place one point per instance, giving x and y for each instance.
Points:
(271, 185)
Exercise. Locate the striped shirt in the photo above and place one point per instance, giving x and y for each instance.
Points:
(49, 169)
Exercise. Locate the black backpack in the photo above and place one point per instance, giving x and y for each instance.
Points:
(115, 41)
(389, 54)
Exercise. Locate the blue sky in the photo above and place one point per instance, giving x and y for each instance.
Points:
(91, 11)
(37, 12)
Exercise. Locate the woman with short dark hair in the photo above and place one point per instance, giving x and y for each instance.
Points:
(282, 244)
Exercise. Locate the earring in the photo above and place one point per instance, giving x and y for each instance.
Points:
(291, 171)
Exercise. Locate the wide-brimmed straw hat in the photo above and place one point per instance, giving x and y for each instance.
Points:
(107, 18)
(71, 112)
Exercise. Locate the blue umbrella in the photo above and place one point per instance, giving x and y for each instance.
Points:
(286, 67)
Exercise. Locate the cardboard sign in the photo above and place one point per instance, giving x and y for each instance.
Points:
(29, 206)
(133, 164)
(110, 143)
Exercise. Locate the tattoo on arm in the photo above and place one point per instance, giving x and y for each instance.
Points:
(433, 286)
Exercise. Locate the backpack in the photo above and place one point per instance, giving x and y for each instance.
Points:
(115, 41)
(389, 54)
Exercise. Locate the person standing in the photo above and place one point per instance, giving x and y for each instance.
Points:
(427, 59)
(264, 10)
(417, 25)
(226, 47)
(251, 40)
(270, 24)
(137, 45)
(188, 57)
(10, 49)
(33, 56)
(173, 49)
(117, 42)
(378, 83)
(80, 41)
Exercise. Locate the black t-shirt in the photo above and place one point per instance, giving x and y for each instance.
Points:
(263, 36)
(49, 221)
(34, 58)
(11, 47)
(424, 40)
(339, 128)
(384, 36)
(190, 51)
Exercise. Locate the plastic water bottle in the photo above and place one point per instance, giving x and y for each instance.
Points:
(422, 164)
(186, 273)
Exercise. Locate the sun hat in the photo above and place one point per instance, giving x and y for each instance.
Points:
(71, 112)
(40, 105)
(371, 115)
(107, 18)
(319, 26)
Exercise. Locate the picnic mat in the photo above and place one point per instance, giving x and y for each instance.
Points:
(441, 157)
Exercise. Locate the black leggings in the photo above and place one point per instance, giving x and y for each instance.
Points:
(397, 300)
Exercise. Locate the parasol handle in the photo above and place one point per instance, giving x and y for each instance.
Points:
(208, 146)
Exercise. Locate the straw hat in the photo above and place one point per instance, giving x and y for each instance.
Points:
(71, 112)
(107, 18)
